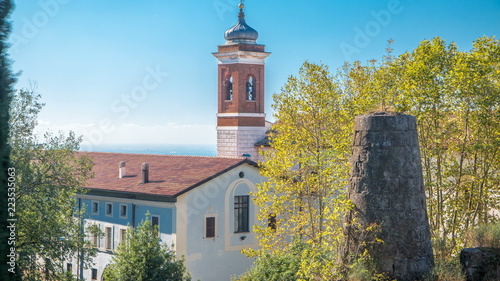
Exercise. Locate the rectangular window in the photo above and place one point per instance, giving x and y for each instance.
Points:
(95, 208)
(95, 240)
(123, 211)
(109, 209)
(94, 273)
(241, 213)
(109, 238)
(123, 232)
(69, 267)
(155, 221)
(210, 227)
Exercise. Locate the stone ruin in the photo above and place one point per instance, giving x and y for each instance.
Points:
(386, 188)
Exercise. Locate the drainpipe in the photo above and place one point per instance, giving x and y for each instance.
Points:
(133, 216)
(80, 265)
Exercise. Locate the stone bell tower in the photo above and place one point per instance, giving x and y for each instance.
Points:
(240, 118)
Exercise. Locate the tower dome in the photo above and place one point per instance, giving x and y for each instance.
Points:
(241, 32)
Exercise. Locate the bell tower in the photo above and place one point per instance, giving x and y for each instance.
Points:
(240, 118)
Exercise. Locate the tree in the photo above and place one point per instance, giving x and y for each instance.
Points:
(455, 96)
(307, 172)
(142, 256)
(48, 176)
(6, 88)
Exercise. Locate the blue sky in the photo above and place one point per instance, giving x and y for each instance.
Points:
(142, 72)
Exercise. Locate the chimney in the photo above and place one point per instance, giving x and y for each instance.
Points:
(122, 170)
(145, 172)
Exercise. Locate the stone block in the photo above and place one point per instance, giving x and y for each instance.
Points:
(481, 264)
(381, 139)
(385, 121)
(386, 265)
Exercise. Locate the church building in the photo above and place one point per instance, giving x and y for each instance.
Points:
(202, 205)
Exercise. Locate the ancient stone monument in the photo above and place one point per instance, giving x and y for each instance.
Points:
(386, 188)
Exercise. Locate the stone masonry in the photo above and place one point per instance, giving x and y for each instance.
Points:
(386, 188)
(239, 141)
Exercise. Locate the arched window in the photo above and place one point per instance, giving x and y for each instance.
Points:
(239, 215)
(229, 95)
(250, 88)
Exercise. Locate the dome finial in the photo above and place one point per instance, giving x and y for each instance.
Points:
(241, 6)
(241, 32)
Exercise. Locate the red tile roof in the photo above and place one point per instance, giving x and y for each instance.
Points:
(169, 175)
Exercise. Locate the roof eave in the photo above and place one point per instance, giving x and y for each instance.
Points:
(129, 195)
(245, 161)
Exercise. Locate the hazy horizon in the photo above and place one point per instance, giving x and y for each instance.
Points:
(164, 149)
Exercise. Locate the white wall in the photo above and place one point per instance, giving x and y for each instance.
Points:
(216, 259)
(208, 259)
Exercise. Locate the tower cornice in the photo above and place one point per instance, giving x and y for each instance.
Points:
(242, 47)
(244, 57)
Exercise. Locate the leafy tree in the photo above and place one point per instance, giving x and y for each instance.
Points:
(6, 82)
(48, 176)
(307, 172)
(455, 96)
(142, 256)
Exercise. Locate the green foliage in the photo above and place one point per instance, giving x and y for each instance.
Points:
(459, 122)
(276, 267)
(357, 263)
(455, 96)
(486, 235)
(48, 176)
(364, 268)
(446, 270)
(6, 83)
(142, 257)
(307, 172)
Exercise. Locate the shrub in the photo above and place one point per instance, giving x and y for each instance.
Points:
(446, 270)
(276, 267)
(486, 235)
